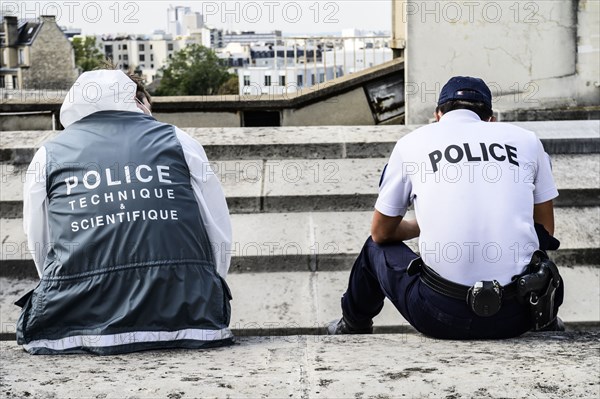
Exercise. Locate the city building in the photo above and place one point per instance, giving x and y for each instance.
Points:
(306, 62)
(251, 37)
(212, 37)
(70, 33)
(358, 57)
(182, 21)
(287, 80)
(144, 54)
(276, 70)
(35, 54)
(235, 56)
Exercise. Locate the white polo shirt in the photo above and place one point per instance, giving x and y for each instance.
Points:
(473, 185)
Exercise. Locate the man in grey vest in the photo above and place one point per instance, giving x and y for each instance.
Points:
(129, 230)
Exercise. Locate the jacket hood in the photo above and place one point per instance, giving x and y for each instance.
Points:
(95, 91)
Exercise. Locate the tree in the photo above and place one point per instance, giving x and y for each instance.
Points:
(193, 70)
(87, 55)
(231, 85)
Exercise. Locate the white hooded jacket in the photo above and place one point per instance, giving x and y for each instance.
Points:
(109, 90)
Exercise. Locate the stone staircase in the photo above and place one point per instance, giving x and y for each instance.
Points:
(301, 201)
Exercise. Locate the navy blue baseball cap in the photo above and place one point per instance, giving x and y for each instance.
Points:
(466, 88)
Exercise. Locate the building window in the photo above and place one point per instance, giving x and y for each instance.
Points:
(124, 47)
(170, 56)
(21, 56)
(151, 66)
(125, 57)
(170, 46)
(142, 47)
(2, 84)
(142, 57)
(151, 47)
(119, 47)
(119, 56)
(15, 82)
(321, 78)
(282, 81)
(151, 57)
(246, 80)
(300, 81)
(268, 80)
(312, 79)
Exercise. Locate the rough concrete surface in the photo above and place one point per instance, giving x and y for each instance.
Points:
(319, 241)
(301, 301)
(315, 141)
(304, 177)
(323, 234)
(542, 365)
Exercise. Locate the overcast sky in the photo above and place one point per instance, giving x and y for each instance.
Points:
(292, 17)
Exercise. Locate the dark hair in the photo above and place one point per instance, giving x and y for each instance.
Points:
(140, 91)
(482, 110)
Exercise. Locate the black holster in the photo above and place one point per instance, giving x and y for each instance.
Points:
(538, 290)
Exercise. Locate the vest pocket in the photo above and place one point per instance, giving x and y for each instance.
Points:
(226, 298)
(31, 305)
(21, 302)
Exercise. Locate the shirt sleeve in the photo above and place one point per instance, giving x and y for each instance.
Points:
(211, 201)
(395, 189)
(545, 188)
(35, 210)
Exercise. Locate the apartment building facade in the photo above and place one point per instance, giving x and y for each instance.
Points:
(35, 54)
(144, 54)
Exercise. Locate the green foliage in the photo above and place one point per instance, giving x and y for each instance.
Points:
(87, 55)
(231, 85)
(194, 70)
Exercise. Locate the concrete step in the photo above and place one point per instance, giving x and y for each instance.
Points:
(304, 185)
(320, 142)
(304, 302)
(537, 365)
(322, 241)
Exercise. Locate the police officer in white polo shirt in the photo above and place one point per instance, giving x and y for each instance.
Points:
(482, 194)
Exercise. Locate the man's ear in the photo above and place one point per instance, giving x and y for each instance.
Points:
(492, 119)
(437, 115)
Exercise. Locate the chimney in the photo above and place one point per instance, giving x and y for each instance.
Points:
(11, 30)
(48, 18)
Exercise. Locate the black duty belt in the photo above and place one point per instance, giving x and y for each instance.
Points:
(449, 288)
(535, 287)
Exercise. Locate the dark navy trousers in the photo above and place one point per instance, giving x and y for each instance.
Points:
(380, 272)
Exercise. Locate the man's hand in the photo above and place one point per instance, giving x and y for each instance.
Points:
(386, 229)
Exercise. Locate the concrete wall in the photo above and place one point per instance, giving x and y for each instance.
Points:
(343, 102)
(351, 108)
(200, 119)
(52, 60)
(532, 54)
(26, 122)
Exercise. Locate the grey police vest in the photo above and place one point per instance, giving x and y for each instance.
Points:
(130, 265)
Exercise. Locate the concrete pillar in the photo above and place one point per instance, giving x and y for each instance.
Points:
(398, 28)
